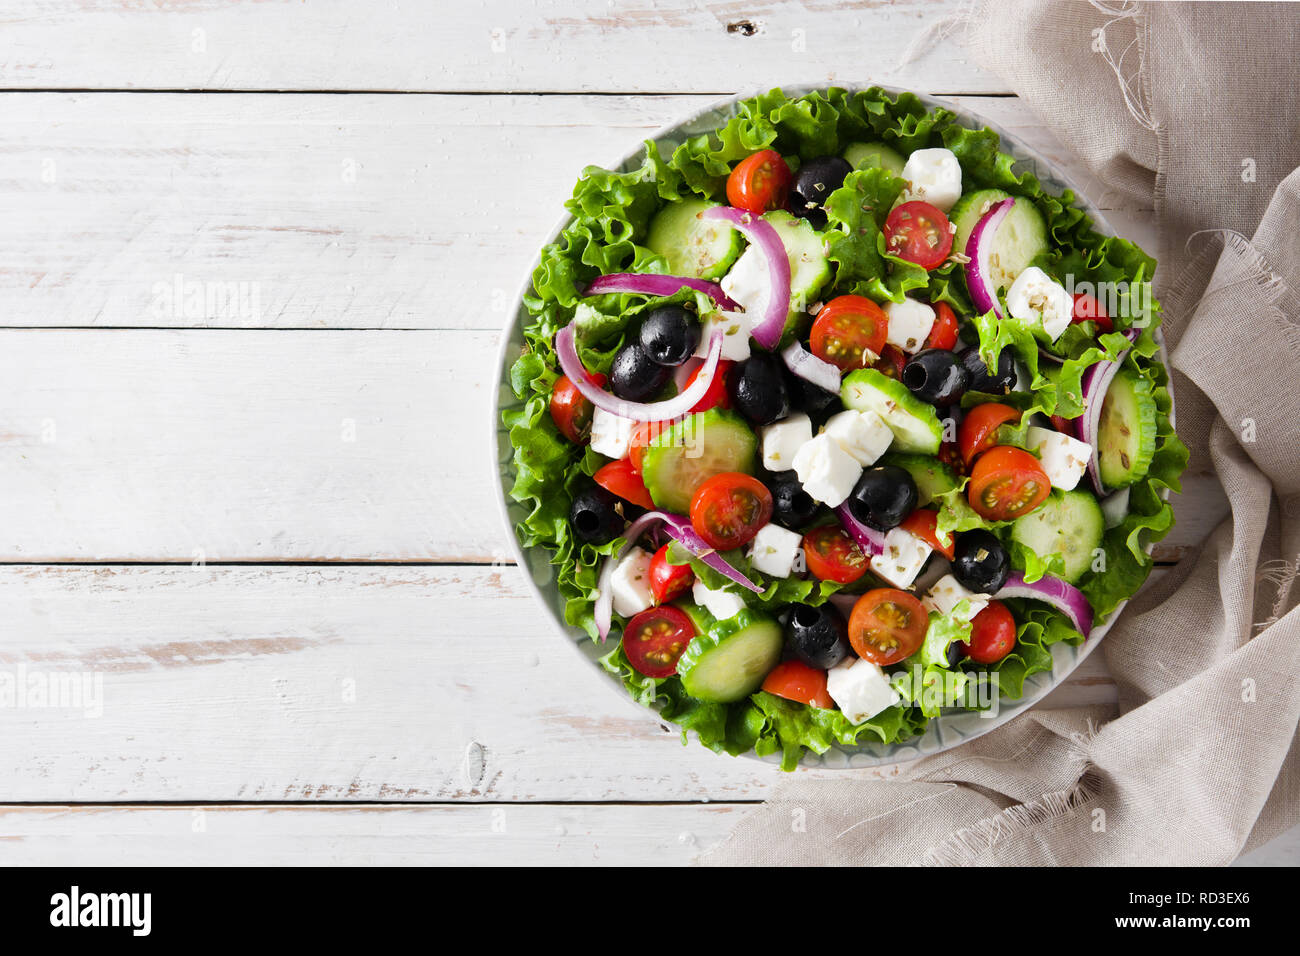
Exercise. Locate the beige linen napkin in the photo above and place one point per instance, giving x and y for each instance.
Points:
(1192, 106)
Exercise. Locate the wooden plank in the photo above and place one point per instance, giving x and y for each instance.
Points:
(554, 45)
(247, 211)
(148, 445)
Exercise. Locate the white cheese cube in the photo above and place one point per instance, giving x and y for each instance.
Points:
(735, 334)
(864, 435)
(910, 322)
(933, 176)
(947, 593)
(1063, 459)
(1037, 297)
(826, 471)
(630, 583)
(783, 439)
(721, 604)
(774, 550)
(747, 282)
(860, 689)
(901, 561)
(610, 434)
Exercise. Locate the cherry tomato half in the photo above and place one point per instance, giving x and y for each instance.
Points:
(795, 680)
(716, 395)
(655, 638)
(1007, 482)
(924, 523)
(887, 625)
(992, 634)
(919, 233)
(1087, 307)
(943, 334)
(891, 362)
(620, 478)
(570, 411)
(849, 332)
(759, 183)
(978, 431)
(728, 509)
(668, 581)
(832, 555)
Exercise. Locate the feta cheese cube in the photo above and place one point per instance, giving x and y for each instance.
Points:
(747, 281)
(1064, 459)
(901, 561)
(610, 434)
(826, 471)
(947, 593)
(783, 439)
(1037, 297)
(721, 604)
(735, 334)
(774, 550)
(860, 689)
(910, 322)
(630, 583)
(933, 176)
(864, 435)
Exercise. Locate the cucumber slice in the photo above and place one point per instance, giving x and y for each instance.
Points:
(810, 270)
(730, 662)
(968, 210)
(1020, 239)
(692, 451)
(1069, 523)
(862, 155)
(915, 424)
(1126, 437)
(704, 248)
(933, 478)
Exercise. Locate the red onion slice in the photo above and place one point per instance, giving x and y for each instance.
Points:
(1096, 380)
(680, 404)
(979, 247)
(680, 530)
(870, 540)
(649, 283)
(767, 330)
(1066, 598)
(810, 368)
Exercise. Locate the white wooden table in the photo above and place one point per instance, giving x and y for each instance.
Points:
(254, 262)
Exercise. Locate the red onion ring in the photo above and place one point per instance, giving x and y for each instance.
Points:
(767, 330)
(652, 283)
(1066, 598)
(1096, 381)
(983, 294)
(810, 368)
(870, 540)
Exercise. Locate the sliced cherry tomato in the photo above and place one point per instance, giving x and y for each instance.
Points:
(1063, 425)
(728, 509)
(570, 411)
(978, 431)
(887, 625)
(668, 582)
(795, 680)
(992, 634)
(943, 334)
(1007, 482)
(644, 434)
(919, 233)
(716, 396)
(1087, 307)
(891, 362)
(760, 182)
(620, 478)
(655, 638)
(924, 523)
(849, 332)
(832, 555)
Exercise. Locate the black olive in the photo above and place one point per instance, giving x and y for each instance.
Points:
(980, 562)
(818, 635)
(982, 378)
(813, 185)
(757, 389)
(936, 376)
(792, 507)
(596, 515)
(669, 335)
(883, 497)
(817, 403)
(635, 376)
(956, 653)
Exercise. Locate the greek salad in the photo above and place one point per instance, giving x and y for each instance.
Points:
(831, 416)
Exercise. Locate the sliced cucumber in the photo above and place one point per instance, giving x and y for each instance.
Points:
(1126, 437)
(915, 424)
(704, 248)
(862, 155)
(968, 210)
(695, 449)
(933, 478)
(1069, 523)
(1020, 239)
(810, 270)
(731, 660)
